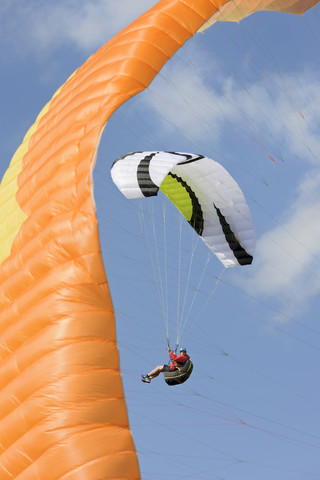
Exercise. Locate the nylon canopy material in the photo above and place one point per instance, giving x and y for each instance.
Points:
(62, 406)
(203, 191)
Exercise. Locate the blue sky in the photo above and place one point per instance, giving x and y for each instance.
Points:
(247, 95)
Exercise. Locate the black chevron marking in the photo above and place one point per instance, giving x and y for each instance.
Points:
(239, 252)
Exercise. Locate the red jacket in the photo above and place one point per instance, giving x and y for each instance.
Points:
(177, 361)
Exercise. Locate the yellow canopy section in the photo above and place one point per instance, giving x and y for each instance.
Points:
(236, 10)
(178, 195)
(62, 407)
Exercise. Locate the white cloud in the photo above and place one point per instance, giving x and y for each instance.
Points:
(38, 28)
(287, 266)
(266, 112)
(287, 261)
(288, 256)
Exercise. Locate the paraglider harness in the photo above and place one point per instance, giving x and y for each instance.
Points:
(180, 374)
